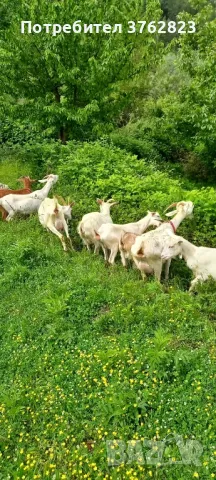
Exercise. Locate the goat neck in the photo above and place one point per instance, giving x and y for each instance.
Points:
(144, 223)
(45, 190)
(27, 183)
(105, 209)
(188, 250)
(178, 218)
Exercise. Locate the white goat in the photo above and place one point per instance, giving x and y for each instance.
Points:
(201, 260)
(91, 222)
(111, 234)
(54, 216)
(148, 247)
(29, 203)
(66, 209)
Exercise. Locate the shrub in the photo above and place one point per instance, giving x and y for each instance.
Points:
(101, 170)
(143, 148)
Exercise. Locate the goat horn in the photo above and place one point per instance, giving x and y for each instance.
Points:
(61, 199)
(170, 206)
(110, 200)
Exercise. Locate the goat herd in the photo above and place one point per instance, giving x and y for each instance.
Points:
(149, 251)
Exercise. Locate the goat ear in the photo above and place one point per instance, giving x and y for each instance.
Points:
(71, 204)
(99, 201)
(176, 240)
(44, 180)
(170, 214)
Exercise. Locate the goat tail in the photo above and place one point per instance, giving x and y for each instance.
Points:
(97, 236)
(139, 251)
(121, 244)
(80, 230)
(56, 206)
(4, 212)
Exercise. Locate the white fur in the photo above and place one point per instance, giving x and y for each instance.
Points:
(111, 234)
(53, 216)
(29, 203)
(201, 260)
(91, 222)
(148, 247)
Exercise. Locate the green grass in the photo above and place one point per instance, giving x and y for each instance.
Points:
(89, 353)
(11, 169)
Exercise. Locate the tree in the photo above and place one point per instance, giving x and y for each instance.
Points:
(73, 85)
(174, 117)
(171, 8)
(197, 56)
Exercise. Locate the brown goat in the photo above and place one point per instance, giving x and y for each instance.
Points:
(27, 181)
(126, 243)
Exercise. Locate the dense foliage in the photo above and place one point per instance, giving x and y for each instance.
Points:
(73, 85)
(82, 86)
(175, 118)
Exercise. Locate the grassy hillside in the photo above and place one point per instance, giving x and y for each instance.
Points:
(89, 353)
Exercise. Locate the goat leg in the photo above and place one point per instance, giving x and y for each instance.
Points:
(70, 243)
(167, 267)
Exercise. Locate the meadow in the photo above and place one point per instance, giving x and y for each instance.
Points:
(90, 354)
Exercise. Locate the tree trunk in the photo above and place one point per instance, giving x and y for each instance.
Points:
(62, 135)
(62, 131)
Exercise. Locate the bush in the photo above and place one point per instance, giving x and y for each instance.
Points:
(100, 170)
(195, 167)
(143, 148)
